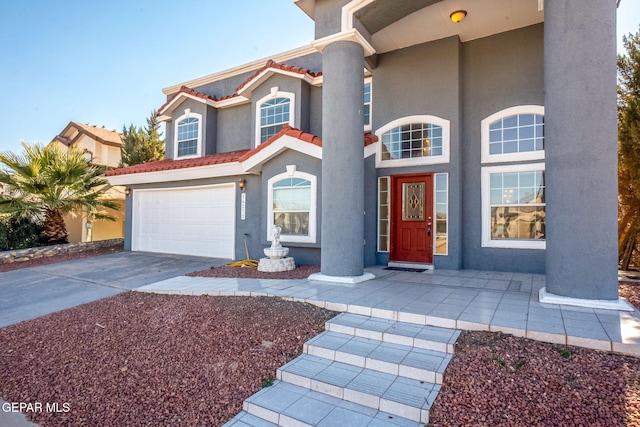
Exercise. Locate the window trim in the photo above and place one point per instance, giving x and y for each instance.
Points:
(368, 127)
(187, 115)
(313, 212)
(508, 157)
(435, 213)
(379, 219)
(275, 93)
(487, 242)
(418, 161)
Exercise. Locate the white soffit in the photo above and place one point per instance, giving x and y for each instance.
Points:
(484, 18)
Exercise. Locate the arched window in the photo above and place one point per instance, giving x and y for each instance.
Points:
(414, 140)
(513, 195)
(513, 134)
(292, 206)
(273, 111)
(188, 135)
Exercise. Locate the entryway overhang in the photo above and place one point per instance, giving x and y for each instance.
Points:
(389, 24)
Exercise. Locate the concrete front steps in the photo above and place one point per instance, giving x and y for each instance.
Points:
(361, 371)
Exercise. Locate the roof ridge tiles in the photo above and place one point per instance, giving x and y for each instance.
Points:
(278, 65)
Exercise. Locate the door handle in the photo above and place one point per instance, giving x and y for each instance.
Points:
(429, 229)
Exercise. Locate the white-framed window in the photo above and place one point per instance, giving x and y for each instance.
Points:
(513, 196)
(273, 111)
(292, 206)
(413, 140)
(366, 112)
(441, 188)
(513, 134)
(384, 212)
(513, 206)
(188, 135)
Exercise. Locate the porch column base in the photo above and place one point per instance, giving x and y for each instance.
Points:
(341, 279)
(619, 304)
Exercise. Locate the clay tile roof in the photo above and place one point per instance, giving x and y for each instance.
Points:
(235, 95)
(170, 164)
(101, 134)
(188, 91)
(269, 64)
(286, 130)
(276, 65)
(369, 139)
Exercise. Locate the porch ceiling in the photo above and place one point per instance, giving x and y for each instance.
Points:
(382, 13)
(418, 21)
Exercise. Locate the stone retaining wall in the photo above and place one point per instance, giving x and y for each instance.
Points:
(8, 257)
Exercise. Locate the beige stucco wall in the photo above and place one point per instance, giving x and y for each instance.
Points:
(104, 230)
(100, 230)
(105, 155)
(74, 227)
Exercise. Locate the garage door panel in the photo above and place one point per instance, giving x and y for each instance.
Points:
(194, 221)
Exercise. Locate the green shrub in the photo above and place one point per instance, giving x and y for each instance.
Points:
(19, 233)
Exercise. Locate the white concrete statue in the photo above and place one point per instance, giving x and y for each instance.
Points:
(275, 236)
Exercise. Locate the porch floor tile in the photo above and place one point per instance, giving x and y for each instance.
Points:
(487, 300)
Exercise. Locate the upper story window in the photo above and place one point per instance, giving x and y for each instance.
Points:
(414, 140)
(292, 206)
(188, 135)
(273, 111)
(513, 134)
(366, 112)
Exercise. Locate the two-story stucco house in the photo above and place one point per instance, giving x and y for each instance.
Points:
(402, 136)
(102, 148)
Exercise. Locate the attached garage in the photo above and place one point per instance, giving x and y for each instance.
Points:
(196, 221)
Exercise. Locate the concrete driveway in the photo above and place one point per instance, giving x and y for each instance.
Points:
(32, 292)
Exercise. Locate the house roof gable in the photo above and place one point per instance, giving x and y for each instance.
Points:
(242, 92)
(102, 135)
(270, 68)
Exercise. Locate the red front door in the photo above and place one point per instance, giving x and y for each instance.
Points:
(412, 218)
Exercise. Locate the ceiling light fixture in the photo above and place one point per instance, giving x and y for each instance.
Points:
(458, 16)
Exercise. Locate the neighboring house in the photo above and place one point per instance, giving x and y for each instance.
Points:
(399, 136)
(102, 148)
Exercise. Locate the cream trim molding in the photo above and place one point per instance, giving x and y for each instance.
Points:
(352, 35)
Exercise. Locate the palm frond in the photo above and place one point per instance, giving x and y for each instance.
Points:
(52, 179)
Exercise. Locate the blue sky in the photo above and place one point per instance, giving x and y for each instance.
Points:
(105, 62)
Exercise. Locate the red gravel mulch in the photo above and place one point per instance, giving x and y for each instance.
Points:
(141, 359)
(631, 292)
(497, 379)
(300, 272)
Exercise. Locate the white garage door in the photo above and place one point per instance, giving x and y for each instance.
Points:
(190, 221)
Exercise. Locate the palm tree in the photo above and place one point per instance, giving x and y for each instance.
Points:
(49, 182)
